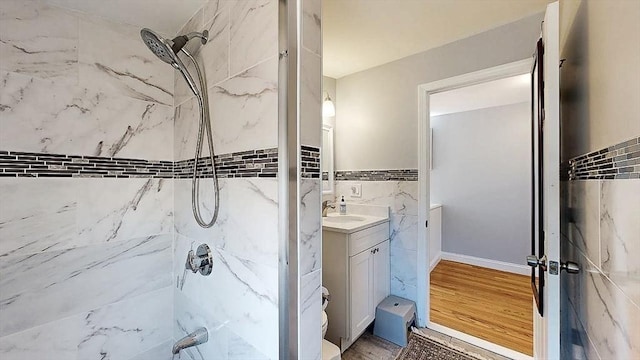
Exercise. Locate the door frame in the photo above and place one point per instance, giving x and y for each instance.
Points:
(546, 328)
(424, 153)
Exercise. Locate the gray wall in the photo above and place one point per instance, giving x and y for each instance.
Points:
(600, 93)
(604, 101)
(482, 176)
(376, 126)
(329, 86)
(377, 109)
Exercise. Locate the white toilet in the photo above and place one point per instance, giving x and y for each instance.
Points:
(329, 350)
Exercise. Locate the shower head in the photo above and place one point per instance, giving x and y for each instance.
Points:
(160, 46)
(167, 50)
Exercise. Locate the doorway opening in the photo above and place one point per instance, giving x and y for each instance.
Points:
(478, 141)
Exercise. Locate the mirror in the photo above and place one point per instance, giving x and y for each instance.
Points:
(327, 159)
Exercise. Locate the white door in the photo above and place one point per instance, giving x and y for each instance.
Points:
(381, 273)
(361, 281)
(545, 261)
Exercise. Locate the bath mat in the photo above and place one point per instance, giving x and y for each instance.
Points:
(421, 348)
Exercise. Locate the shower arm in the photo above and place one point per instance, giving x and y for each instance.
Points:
(205, 125)
(203, 36)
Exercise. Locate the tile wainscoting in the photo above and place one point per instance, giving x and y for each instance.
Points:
(601, 231)
(402, 198)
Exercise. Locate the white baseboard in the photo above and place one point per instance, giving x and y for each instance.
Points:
(487, 263)
(435, 261)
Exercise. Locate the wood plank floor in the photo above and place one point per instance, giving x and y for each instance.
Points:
(371, 347)
(489, 304)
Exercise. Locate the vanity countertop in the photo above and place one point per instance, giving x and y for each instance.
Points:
(350, 223)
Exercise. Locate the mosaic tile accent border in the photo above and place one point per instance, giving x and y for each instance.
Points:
(310, 162)
(620, 161)
(253, 163)
(310, 158)
(378, 175)
(24, 164)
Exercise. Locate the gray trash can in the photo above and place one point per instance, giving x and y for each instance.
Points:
(394, 315)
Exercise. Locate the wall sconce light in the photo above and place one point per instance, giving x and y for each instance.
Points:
(328, 108)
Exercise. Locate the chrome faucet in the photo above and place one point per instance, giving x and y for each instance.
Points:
(325, 207)
(200, 336)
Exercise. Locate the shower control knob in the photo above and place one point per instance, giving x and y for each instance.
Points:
(201, 260)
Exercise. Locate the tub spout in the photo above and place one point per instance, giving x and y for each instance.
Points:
(200, 336)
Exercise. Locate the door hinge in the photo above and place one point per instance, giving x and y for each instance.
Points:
(426, 223)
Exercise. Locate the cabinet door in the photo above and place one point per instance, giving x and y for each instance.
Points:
(381, 273)
(361, 281)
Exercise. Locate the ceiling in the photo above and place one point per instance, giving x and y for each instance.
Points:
(511, 90)
(164, 16)
(361, 34)
(357, 34)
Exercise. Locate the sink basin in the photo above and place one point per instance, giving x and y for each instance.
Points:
(358, 218)
(350, 223)
(344, 219)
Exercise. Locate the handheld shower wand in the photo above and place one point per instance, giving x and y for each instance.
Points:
(167, 51)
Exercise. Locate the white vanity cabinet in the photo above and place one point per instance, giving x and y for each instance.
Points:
(369, 279)
(355, 269)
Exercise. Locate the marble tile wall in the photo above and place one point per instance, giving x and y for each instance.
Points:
(402, 199)
(77, 85)
(85, 262)
(114, 331)
(603, 301)
(241, 295)
(310, 226)
(74, 84)
(238, 302)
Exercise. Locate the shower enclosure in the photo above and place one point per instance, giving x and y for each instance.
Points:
(97, 165)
